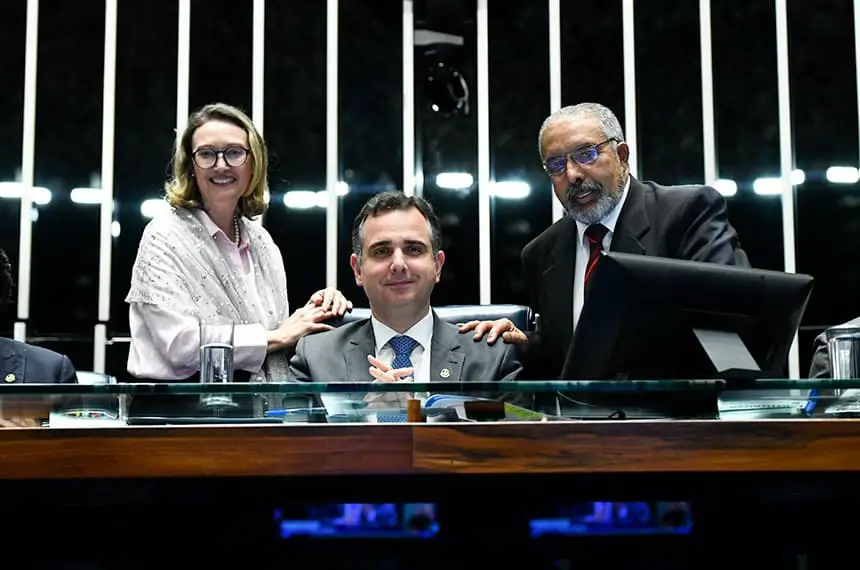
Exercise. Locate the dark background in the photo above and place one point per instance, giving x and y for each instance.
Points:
(69, 113)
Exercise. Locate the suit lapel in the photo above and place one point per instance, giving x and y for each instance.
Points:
(633, 222)
(558, 278)
(12, 361)
(358, 347)
(446, 353)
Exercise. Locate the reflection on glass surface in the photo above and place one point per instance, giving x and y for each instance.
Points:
(52, 405)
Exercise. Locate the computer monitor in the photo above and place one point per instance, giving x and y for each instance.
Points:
(650, 318)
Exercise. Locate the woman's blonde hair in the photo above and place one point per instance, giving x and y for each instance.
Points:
(182, 190)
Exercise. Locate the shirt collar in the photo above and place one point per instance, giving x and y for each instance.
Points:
(422, 331)
(214, 230)
(610, 219)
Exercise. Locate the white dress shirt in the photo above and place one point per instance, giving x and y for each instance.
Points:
(583, 252)
(166, 341)
(421, 332)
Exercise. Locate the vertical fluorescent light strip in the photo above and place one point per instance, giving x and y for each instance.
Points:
(258, 40)
(484, 269)
(629, 24)
(408, 98)
(857, 60)
(555, 81)
(786, 159)
(331, 162)
(258, 47)
(182, 65)
(99, 347)
(107, 204)
(28, 161)
(708, 129)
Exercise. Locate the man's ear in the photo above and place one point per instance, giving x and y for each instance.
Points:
(356, 268)
(623, 153)
(440, 261)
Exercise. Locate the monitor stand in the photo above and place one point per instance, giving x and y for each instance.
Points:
(731, 359)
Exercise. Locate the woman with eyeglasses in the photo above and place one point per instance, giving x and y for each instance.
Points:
(206, 260)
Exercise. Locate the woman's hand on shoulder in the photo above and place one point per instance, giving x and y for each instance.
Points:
(330, 299)
(325, 304)
(306, 320)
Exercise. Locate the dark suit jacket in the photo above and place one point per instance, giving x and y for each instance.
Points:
(340, 355)
(680, 222)
(20, 362)
(820, 367)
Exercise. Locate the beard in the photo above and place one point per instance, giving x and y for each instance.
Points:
(592, 212)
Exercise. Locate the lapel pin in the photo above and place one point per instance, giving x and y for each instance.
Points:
(445, 373)
(10, 378)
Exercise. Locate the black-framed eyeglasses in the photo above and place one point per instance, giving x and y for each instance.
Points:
(234, 156)
(583, 155)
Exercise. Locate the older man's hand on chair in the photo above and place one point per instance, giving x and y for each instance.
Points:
(504, 328)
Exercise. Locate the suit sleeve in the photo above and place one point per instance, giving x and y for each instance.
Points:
(509, 367)
(708, 236)
(299, 368)
(820, 367)
(533, 356)
(67, 372)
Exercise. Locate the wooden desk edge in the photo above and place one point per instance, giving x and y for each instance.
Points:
(361, 449)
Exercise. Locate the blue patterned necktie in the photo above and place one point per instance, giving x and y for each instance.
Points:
(402, 346)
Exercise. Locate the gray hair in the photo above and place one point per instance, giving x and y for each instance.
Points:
(608, 121)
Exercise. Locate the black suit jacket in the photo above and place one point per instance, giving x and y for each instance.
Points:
(820, 367)
(680, 222)
(21, 362)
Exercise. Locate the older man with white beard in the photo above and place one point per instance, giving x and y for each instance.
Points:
(583, 151)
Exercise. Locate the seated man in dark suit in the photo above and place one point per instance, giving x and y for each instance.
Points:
(397, 260)
(21, 362)
(820, 367)
(584, 154)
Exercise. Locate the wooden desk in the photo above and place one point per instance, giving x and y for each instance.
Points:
(117, 485)
(623, 447)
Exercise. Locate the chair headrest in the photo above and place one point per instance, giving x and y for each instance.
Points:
(91, 378)
(521, 315)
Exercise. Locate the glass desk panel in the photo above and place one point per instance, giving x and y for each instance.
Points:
(165, 403)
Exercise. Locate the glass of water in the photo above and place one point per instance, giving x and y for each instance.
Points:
(216, 361)
(843, 347)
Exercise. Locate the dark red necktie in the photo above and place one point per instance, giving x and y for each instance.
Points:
(594, 235)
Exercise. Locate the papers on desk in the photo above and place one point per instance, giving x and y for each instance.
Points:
(848, 403)
(760, 404)
(354, 407)
(83, 418)
(457, 403)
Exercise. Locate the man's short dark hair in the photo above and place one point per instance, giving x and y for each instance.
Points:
(392, 201)
(6, 282)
